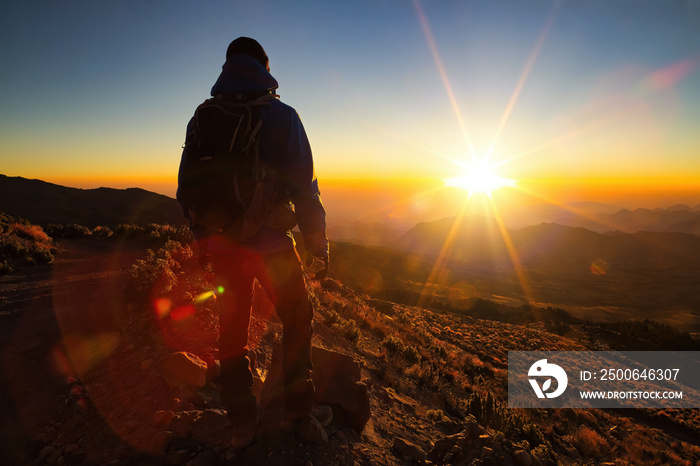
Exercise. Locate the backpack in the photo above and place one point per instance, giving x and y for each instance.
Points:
(221, 178)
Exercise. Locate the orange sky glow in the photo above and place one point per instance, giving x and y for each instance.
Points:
(535, 90)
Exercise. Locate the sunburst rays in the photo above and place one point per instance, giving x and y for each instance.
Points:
(481, 176)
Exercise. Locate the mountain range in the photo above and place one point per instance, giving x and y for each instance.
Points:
(481, 241)
(679, 218)
(43, 203)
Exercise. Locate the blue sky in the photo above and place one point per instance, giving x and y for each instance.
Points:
(101, 91)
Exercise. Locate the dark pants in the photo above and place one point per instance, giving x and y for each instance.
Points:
(281, 276)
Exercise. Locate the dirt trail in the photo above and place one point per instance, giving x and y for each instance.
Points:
(39, 308)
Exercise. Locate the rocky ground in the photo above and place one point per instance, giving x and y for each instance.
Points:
(83, 380)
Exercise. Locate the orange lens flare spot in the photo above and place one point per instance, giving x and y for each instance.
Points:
(182, 312)
(162, 307)
(61, 363)
(599, 267)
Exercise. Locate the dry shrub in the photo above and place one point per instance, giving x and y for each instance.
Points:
(415, 372)
(472, 361)
(23, 244)
(590, 443)
(157, 274)
(32, 232)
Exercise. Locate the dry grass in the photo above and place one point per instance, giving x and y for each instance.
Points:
(590, 443)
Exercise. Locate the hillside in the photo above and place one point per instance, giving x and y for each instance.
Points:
(43, 203)
(436, 381)
(480, 240)
(601, 277)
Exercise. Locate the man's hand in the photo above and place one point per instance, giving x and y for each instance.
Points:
(323, 271)
(205, 263)
(318, 266)
(204, 256)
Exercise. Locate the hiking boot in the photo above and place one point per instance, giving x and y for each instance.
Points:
(321, 414)
(244, 432)
(311, 429)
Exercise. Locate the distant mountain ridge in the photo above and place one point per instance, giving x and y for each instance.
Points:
(480, 241)
(42, 203)
(593, 216)
(603, 218)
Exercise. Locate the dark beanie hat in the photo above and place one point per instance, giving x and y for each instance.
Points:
(248, 46)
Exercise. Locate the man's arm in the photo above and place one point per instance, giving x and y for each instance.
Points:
(302, 186)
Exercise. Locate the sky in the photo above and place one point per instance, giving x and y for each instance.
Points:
(575, 100)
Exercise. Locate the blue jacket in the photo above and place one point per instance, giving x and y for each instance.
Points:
(283, 146)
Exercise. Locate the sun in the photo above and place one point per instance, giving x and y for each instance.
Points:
(480, 178)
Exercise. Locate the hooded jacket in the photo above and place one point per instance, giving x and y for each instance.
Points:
(284, 146)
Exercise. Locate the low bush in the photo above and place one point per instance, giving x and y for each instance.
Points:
(154, 234)
(156, 274)
(63, 231)
(396, 347)
(492, 413)
(23, 244)
(590, 443)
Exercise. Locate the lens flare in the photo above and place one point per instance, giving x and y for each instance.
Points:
(162, 307)
(200, 298)
(599, 267)
(183, 312)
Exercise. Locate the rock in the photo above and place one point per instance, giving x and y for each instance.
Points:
(403, 447)
(146, 364)
(337, 380)
(523, 458)
(461, 448)
(183, 423)
(184, 368)
(46, 452)
(472, 428)
(163, 418)
(213, 367)
(536, 461)
(210, 427)
(571, 450)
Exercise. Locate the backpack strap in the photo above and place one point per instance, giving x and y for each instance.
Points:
(250, 98)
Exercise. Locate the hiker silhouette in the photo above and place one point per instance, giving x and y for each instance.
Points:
(246, 178)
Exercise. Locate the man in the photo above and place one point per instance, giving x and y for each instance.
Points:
(270, 255)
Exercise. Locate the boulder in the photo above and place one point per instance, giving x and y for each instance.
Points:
(404, 448)
(184, 368)
(336, 377)
(337, 380)
(523, 458)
